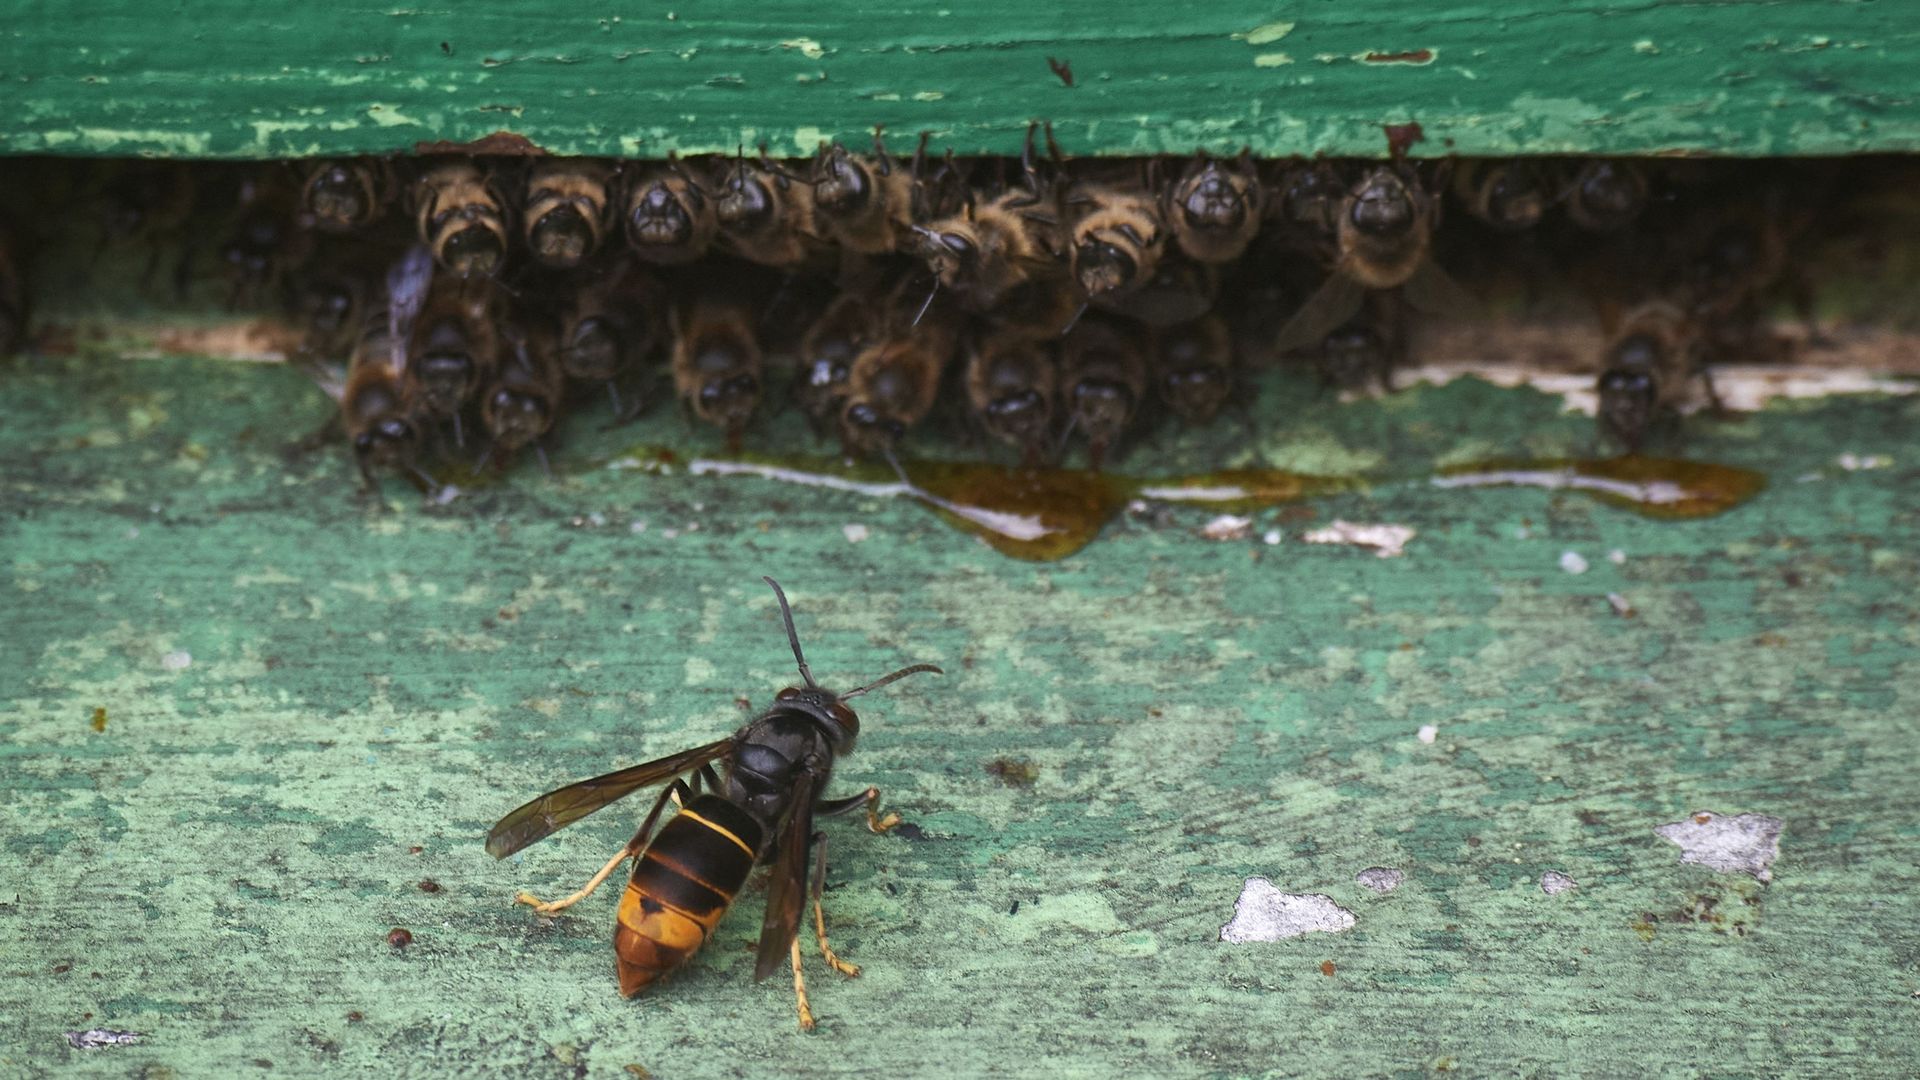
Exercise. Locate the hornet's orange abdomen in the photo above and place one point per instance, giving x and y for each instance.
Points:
(681, 887)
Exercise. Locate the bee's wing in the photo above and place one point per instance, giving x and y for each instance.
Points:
(407, 283)
(556, 810)
(1433, 291)
(328, 374)
(1330, 306)
(787, 888)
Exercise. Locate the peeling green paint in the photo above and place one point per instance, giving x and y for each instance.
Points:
(1741, 77)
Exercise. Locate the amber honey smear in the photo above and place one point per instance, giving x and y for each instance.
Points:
(1038, 514)
(1655, 487)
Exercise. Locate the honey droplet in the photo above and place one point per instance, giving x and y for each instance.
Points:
(1035, 514)
(1656, 487)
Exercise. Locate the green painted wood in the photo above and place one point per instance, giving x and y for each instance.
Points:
(312, 706)
(231, 78)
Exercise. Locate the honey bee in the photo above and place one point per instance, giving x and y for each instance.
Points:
(453, 351)
(1384, 241)
(1013, 382)
(373, 396)
(336, 287)
(1509, 196)
(523, 401)
(990, 248)
(717, 364)
(1306, 207)
(461, 219)
(566, 211)
(1118, 239)
(895, 380)
(827, 351)
(765, 215)
(670, 218)
(1649, 364)
(1180, 290)
(1103, 375)
(1604, 195)
(1194, 368)
(1366, 348)
(264, 240)
(867, 204)
(609, 328)
(1214, 212)
(344, 196)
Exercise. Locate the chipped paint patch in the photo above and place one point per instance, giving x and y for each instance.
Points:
(1415, 57)
(699, 671)
(808, 47)
(1573, 562)
(1742, 843)
(1387, 541)
(1427, 734)
(855, 533)
(177, 660)
(101, 1038)
(1264, 913)
(1227, 527)
(1272, 60)
(1381, 879)
(1742, 388)
(1268, 33)
(1553, 883)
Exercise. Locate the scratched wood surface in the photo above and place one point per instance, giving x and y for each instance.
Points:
(233, 78)
(245, 716)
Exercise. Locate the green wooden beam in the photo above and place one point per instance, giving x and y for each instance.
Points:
(310, 706)
(238, 79)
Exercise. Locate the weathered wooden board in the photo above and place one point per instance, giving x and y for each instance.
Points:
(232, 78)
(311, 707)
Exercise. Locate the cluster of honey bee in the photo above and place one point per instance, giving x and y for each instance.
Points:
(453, 305)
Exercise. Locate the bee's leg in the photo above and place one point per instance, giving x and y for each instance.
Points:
(819, 918)
(633, 847)
(870, 798)
(799, 986)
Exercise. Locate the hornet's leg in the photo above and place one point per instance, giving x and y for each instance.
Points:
(870, 798)
(820, 919)
(633, 847)
(799, 986)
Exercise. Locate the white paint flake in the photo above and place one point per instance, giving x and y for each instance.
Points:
(1620, 604)
(101, 1038)
(1573, 562)
(1271, 538)
(1427, 734)
(1381, 879)
(1742, 843)
(1617, 557)
(1227, 527)
(1553, 883)
(177, 660)
(854, 533)
(1856, 462)
(1264, 913)
(1387, 541)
